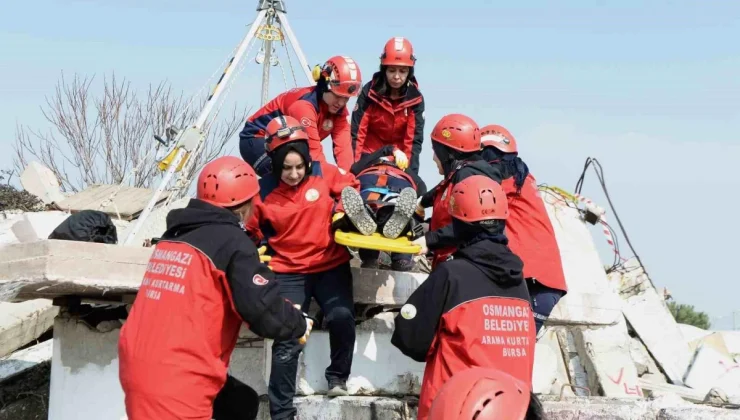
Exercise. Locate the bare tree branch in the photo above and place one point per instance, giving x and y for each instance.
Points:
(107, 137)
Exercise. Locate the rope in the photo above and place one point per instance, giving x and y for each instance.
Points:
(290, 63)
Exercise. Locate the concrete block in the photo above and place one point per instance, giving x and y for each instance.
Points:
(343, 408)
(378, 368)
(644, 363)
(52, 268)
(23, 360)
(36, 226)
(573, 363)
(7, 220)
(550, 372)
(23, 322)
(40, 181)
(605, 353)
(84, 373)
(248, 365)
(647, 313)
(712, 369)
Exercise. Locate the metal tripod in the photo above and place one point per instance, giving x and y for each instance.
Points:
(271, 18)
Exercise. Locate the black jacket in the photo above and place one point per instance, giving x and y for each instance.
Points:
(218, 233)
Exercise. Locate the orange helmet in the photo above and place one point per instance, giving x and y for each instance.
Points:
(478, 198)
(227, 181)
(458, 132)
(281, 130)
(398, 51)
(497, 136)
(481, 394)
(342, 75)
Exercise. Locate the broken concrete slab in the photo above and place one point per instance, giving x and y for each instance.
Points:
(712, 369)
(40, 181)
(36, 226)
(550, 372)
(647, 313)
(23, 360)
(7, 220)
(573, 363)
(644, 363)
(605, 353)
(52, 268)
(24, 322)
(118, 201)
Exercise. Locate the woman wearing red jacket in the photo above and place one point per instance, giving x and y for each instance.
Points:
(321, 109)
(530, 232)
(390, 109)
(293, 216)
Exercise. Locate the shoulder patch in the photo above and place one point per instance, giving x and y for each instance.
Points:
(305, 122)
(259, 280)
(408, 311)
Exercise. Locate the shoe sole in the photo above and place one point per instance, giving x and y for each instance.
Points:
(337, 393)
(355, 209)
(404, 209)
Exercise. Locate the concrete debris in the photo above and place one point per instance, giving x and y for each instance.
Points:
(40, 181)
(585, 353)
(22, 323)
(23, 360)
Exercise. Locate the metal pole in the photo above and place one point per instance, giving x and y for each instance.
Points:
(266, 64)
(198, 124)
(283, 19)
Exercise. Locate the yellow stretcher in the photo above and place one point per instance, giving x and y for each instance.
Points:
(376, 241)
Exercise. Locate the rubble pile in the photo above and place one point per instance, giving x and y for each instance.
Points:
(611, 348)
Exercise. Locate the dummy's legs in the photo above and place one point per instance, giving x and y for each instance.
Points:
(333, 292)
(402, 212)
(253, 152)
(281, 388)
(354, 208)
(543, 301)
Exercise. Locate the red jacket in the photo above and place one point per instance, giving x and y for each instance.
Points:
(378, 121)
(202, 281)
(471, 311)
(531, 235)
(305, 105)
(296, 221)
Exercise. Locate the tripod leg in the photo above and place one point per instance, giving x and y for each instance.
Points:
(283, 18)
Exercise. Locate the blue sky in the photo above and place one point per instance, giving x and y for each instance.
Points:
(651, 89)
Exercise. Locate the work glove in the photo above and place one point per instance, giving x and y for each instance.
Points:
(264, 259)
(422, 242)
(309, 326)
(401, 160)
(340, 222)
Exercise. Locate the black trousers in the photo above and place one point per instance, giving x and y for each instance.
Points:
(332, 290)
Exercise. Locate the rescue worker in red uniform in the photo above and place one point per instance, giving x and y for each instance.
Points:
(293, 216)
(321, 109)
(485, 394)
(529, 229)
(474, 309)
(456, 144)
(386, 203)
(203, 280)
(390, 109)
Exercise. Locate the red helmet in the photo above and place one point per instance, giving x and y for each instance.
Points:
(478, 198)
(458, 132)
(227, 181)
(342, 76)
(281, 130)
(498, 137)
(398, 52)
(481, 394)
